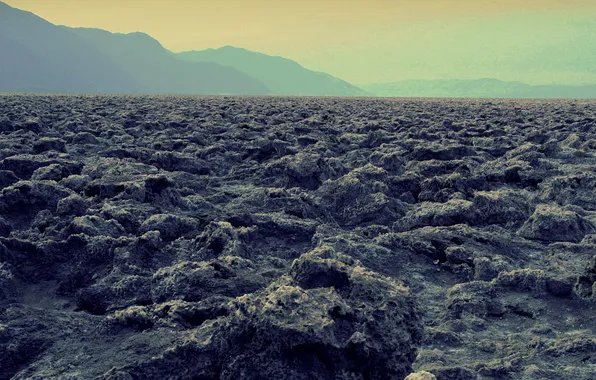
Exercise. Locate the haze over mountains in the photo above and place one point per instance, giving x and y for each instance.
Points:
(38, 56)
(479, 88)
(41, 57)
(281, 75)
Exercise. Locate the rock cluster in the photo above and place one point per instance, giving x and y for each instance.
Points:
(296, 238)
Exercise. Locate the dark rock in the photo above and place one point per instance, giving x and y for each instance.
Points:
(560, 286)
(115, 291)
(26, 194)
(170, 226)
(472, 298)
(454, 373)
(7, 178)
(486, 269)
(24, 165)
(72, 205)
(455, 211)
(5, 227)
(245, 238)
(221, 238)
(6, 125)
(441, 152)
(95, 226)
(459, 255)
(322, 268)
(47, 143)
(503, 206)
(194, 281)
(360, 197)
(76, 182)
(8, 283)
(532, 280)
(298, 333)
(553, 223)
(84, 138)
(53, 172)
(304, 170)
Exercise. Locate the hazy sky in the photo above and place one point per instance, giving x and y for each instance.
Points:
(363, 41)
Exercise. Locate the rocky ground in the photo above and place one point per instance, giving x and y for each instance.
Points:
(296, 238)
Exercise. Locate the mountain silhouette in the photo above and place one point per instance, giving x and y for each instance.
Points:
(38, 56)
(151, 65)
(281, 75)
(476, 88)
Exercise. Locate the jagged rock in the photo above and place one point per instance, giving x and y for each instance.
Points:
(53, 172)
(169, 226)
(422, 375)
(25, 195)
(456, 373)
(6, 125)
(173, 161)
(8, 283)
(441, 152)
(459, 255)
(455, 211)
(7, 178)
(24, 165)
(194, 281)
(238, 238)
(47, 143)
(475, 298)
(84, 138)
(503, 206)
(523, 280)
(76, 182)
(221, 238)
(5, 227)
(95, 226)
(115, 291)
(360, 197)
(288, 332)
(576, 189)
(553, 223)
(305, 170)
(74, 204)
(486, 268)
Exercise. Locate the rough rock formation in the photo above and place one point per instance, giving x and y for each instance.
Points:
(296, 238)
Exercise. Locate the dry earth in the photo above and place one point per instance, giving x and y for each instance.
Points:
(296, 238)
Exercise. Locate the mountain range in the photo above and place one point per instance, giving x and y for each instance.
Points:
(38, 56)
(281, 75)
(476, 88)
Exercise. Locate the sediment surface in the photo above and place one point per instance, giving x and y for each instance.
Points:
(296, 238)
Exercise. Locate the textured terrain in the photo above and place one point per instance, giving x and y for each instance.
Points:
(296, 238)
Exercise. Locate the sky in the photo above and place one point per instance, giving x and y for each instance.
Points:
(367, 41)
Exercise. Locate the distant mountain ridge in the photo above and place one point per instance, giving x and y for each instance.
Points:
(476, 88)
(38, 56)
(150, 64)
(283, 76)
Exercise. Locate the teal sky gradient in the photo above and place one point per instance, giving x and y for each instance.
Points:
(366, 41)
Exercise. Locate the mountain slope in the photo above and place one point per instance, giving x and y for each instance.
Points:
(477, 88)
(37, 56)
(145, 60)
(281, 75)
